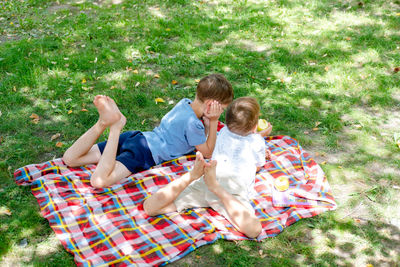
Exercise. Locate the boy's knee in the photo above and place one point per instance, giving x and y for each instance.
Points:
(97, 182)
(147, 208)
(69, 161)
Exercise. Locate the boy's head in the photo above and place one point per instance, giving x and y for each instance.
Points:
(215, 87)
(242, 115)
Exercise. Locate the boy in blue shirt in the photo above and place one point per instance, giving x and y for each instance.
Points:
(180, 132)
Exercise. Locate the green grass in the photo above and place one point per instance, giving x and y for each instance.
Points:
(309, 62)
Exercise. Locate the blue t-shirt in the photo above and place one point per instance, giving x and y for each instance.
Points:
(179, 132)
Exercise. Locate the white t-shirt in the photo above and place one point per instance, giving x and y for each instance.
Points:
(237, 160)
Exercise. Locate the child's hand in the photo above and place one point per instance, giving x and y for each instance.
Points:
(206, 122)
(268, 154)
(267, 131)
(214, 110)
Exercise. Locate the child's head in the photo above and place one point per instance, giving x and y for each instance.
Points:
(215, 87)
(242, 115)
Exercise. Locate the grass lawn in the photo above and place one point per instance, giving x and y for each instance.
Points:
(326, 72)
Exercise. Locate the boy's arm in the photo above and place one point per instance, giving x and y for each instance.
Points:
(212, 115)
(207, 148)
(242, 218)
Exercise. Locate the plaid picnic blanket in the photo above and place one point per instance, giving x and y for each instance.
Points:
(109, 227)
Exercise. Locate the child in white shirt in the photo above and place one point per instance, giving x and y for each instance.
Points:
(228, 182)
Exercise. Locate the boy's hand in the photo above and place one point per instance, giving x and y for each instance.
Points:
(206, 122)
(214, 110)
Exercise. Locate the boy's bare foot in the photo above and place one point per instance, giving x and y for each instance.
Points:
(210, 175)
(109, 113)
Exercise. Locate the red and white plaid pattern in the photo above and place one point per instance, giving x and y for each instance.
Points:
(109, 227)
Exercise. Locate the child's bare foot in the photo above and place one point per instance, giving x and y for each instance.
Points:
(109, 113)
(119, 124)
(198, 168)
(210, 175)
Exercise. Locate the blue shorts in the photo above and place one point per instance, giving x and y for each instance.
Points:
(133, 151)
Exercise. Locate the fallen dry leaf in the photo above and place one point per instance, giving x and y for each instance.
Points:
(59, 144)
(143, 121)
(340, 167)
(197, 80)
(174, 82)
(323, 163)
(396, 70)
(156, 76)
(315, 129)
(69, 111)
(34, 116)
(317, 123)
(159, 100)
(5, 211)
(84, 110)
(55, 136)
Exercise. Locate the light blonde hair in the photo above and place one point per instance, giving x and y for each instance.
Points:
(242, 115)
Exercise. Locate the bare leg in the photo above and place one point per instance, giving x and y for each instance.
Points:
(163, 200)
(244, 220)
(84, 151)
(109, 171)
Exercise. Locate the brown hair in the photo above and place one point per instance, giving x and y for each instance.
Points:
(215, 87)
(242, 115)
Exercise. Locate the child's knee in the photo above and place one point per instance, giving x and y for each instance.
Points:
(97, 182)
(68, 160)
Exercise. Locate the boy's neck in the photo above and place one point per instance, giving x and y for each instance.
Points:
(198, 107)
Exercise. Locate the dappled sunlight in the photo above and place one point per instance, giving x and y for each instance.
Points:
(116, 76)
(366, 56)
(132, 53)
(57, 73)
(156, 12)
(217, 249)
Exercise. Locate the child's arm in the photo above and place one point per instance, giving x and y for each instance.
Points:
(212, 115)
(267, 131)
(242, 218)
